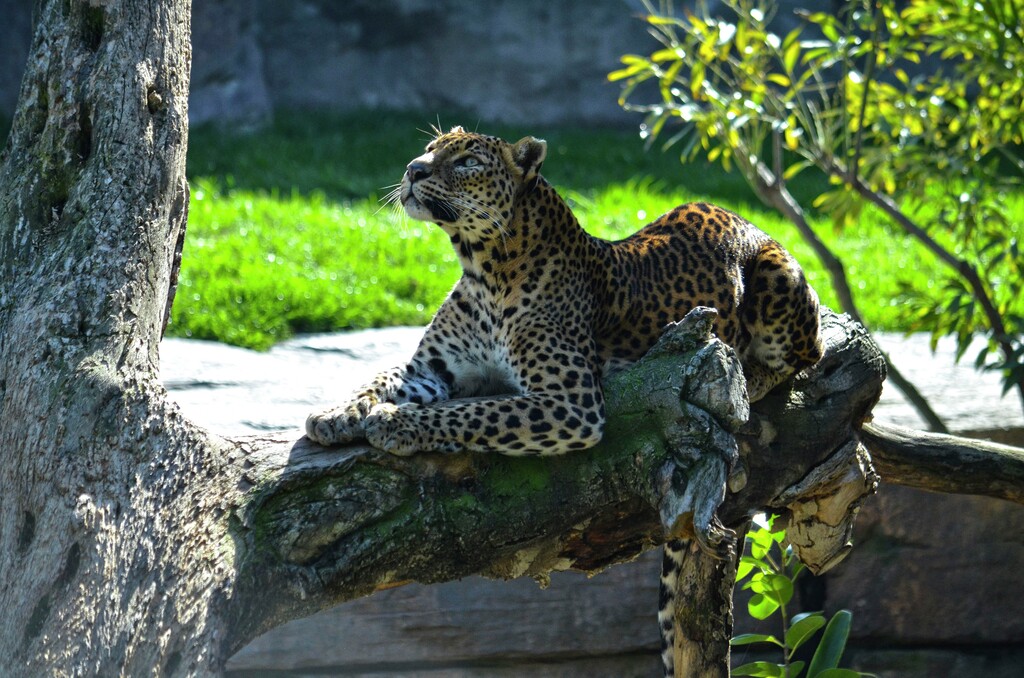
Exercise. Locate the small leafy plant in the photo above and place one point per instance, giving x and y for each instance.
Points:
(772, 570)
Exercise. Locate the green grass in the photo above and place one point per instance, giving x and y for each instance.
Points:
(260, 267)
(286, 232)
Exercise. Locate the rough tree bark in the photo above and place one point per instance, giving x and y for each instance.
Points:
(132, 542)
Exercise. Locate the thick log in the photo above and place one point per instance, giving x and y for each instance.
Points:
(321, 526)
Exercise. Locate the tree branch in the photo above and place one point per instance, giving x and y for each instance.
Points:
(325, 525)
(943, 463)
(319, 526)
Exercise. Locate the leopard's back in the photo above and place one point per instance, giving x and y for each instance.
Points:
(702, 255)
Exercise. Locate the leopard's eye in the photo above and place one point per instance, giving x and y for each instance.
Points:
(467, 161)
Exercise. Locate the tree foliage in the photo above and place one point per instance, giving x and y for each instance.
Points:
(914, 107)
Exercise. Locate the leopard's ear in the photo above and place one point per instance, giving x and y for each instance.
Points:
(528, 154)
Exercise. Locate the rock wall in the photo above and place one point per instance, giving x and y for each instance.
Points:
(528, 61)
(15, 33)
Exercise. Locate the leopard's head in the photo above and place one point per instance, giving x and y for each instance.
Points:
(468, 183)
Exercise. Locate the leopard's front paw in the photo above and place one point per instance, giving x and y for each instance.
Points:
(342, 424)
(388, 430)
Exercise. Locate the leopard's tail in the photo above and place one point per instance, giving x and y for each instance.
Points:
(671, 565)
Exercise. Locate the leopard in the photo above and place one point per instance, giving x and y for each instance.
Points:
(513, 361)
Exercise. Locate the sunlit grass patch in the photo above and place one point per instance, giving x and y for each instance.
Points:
(261, 267)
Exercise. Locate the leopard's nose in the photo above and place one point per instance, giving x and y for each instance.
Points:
(416, 170)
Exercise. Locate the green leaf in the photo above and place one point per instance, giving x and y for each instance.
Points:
(744, 568)
(667, 54)
(697, 79)
(795, 169)
(762, 669)
(830, 32)
(669, 79)
(791, 37)
(659, 20)
(761, 606)
(750, 638)
(778, 587)
(802, 630)
(632, 68)
(803, 615)
(791, 55)
(840, 673)
(760, 542)
(794, 669)
(833, 644)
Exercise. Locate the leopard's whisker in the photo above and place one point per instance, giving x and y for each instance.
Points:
(391, 199)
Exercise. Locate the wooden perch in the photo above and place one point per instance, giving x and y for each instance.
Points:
(322, 526)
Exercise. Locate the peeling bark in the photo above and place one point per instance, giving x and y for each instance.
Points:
(132, 542)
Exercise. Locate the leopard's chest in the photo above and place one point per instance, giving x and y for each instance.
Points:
(474, 343)
(504, 331)
(484, 369)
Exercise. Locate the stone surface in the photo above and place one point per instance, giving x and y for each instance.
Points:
(476, 627)
(530, 61)
(933, 569)
(967, 400)
(15, 38)
(990, 662)
(228, 82)
(235, 391)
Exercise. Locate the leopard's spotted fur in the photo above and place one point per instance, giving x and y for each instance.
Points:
(513, 360)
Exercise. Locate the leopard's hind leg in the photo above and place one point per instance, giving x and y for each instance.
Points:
(780, 315)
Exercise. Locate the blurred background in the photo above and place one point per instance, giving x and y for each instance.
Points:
(530, 62)
(298, 282)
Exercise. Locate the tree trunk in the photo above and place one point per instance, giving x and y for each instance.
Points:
(132, 542)
(114, 545)
(704, 616)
